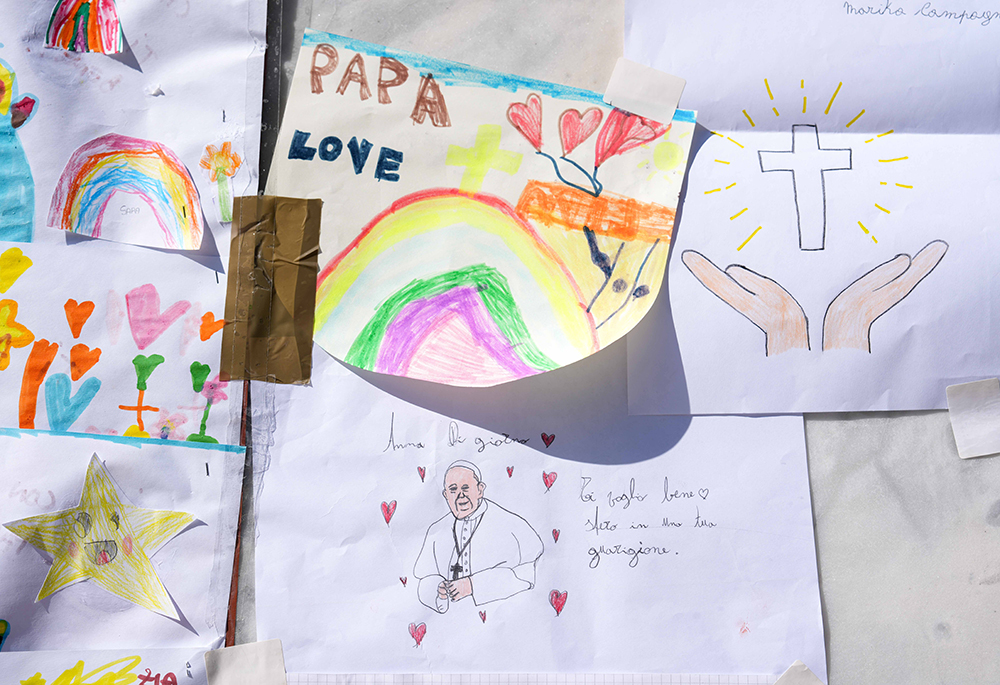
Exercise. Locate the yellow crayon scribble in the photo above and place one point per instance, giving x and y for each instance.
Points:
(882, 183)
(732, 141)
(775, 110)
(713, 190)
(749, 119)
(886, 133)
(882, 208)
(833, 98)
(748, 239)
(803, 104)
(650, 177)
(869, 140)
(103, 675)
(866, 232)
(766, 85)
(894, 159)
(716, 133)
(802, 83)
(738, 213)
(900, 185)
(734, 183)
(854, 119)
(721, 161)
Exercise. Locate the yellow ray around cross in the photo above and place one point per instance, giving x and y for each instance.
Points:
(105, 540)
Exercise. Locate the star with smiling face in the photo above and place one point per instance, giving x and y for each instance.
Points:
(106, 540)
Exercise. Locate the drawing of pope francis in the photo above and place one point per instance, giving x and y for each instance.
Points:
(478, 549)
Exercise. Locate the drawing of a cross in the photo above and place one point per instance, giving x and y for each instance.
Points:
(481, 157)
(807, 162)
(138, 409)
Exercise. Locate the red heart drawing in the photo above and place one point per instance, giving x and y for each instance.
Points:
(526, 117)
(558, 600)
(423, 472)
(402, 579)
(549, 479)
(482, 615)
(555, 534)
(624, 131)
(388, 509)
(209, 326)
(144, 316)
(77, 315)
(548, 439)
(574, 128)
(510, 471)
(417, 632)
(82, 359)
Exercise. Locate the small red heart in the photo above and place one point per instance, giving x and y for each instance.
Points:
(555, 534)
(82, 359)
(209, 326)
(417, 631)
(574, 128)
(510, 471)
(482, 615)
(77, 315)
(558, 600)
(423, 472)
(526, 117)
(548, 439)
(388, 509)
(402, 579)
(549, 479)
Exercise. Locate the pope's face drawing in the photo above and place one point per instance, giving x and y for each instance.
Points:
(463, 491)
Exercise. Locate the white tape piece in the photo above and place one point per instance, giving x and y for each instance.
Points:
(643, 90)
(974, 409)
(256, 663)
(798, 674)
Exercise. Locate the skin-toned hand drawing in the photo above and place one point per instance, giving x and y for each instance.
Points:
(85, 26)
(850, 316)
(17, 185)
(107, 540)
(808, 164)
(478, 549)
(764, 302)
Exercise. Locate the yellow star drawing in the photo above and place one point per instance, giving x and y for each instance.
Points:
(107, 540)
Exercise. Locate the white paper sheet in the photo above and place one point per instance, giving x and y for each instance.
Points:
(974, 410)
(187, 666)
(902, 111)
(45, 473)
(256, 663)
(353, 482)
(191, 76)
(141, 304)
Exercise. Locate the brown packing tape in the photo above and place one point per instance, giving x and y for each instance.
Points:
(271, 297)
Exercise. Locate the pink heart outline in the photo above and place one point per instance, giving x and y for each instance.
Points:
(510, 471)
(526, 117)
(555, 534)
(421, 471)
(549, 479)
(388, 509)
(145, 319)
(574, 127)
(417, 632)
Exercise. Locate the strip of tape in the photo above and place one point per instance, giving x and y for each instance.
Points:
(645, 91)
(271, 295)
(974, 410)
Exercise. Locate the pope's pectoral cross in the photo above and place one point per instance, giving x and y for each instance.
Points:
(456, 571)
(807, 161)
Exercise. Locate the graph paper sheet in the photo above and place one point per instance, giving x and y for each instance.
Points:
(530, 679)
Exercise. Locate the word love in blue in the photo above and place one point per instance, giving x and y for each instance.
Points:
(330, 148)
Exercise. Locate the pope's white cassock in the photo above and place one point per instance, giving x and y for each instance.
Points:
(499, 551)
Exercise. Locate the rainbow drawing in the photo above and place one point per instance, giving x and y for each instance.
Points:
(85, 26)
(478, 315)
(119, 164)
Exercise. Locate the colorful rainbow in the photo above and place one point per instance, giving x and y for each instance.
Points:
(115, 163)
(85, 26)
(464, 325)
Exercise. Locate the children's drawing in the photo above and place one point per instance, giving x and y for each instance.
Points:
(145, 318)
(532, 262)
(62, 408)
(212, 390)
(12, 333)
(478, 549)
(222, 164)
(77, 314)
(417, 632)
(144, 367)
(849, 317)
(558, 600)
(13, 264)
(106, 540)
(115, 165)
(4, 632)
(17, 185)
(85, 26)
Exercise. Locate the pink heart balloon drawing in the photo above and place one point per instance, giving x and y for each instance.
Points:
(144, 316)
(526, 117)
(558, 600)
(510, 471)
(417, 632)
(549, 479)
(388, 509)
(482, 615)
(574, 128)
(555, 534)
(422, 472)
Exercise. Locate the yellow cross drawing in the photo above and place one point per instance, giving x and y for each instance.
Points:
(106, 540)
(481, 157)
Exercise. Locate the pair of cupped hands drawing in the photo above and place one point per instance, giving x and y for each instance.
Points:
(849, 316)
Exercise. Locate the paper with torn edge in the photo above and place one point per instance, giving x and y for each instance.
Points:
(271, 299)
(839, 242)
(699, 558)
(974, 410)
(166, 666)
(257, 663)
(140, 146)
(798, 674)
(104, 338)
(646, 91)
(146, 556)
(497, 227)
